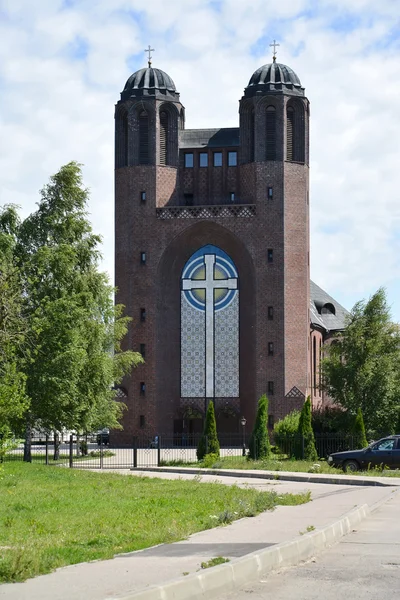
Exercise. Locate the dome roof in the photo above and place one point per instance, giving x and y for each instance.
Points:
(274, 77)
(150, 78)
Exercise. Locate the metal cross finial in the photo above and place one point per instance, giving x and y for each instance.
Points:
(274, 46)
(149, 50)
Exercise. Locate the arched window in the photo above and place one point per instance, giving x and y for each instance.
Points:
(295, 132)
(143, 138)
(270, 133)
(290, 124)
(121, 138)
(328, 309)
(163, 138)
(209, 325)
(251, 136)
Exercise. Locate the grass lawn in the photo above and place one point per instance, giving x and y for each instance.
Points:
(52, 516)
(279, 464)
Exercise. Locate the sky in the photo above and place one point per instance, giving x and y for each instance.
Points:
(63, 64)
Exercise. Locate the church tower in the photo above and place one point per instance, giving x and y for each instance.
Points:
(212, 254)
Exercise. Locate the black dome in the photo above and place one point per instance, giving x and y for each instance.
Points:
(150, 78)
(274, 77)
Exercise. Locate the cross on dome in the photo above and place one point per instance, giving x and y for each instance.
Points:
(149, 50)
(274, 45)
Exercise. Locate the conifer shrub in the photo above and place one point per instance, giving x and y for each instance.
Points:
(305, 445)
(209, 443)
(259, 445)
(359, 430)
(285, 432)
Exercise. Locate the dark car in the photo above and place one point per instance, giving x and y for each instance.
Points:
(384, 453)
(103, 437)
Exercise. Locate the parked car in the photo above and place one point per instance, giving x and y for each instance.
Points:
(103, 437)
(383, 453)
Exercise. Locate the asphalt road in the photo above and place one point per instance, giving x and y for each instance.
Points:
(365, 565)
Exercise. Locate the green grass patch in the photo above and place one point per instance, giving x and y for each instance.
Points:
(281, 463)
(213, 562)
(52, 516)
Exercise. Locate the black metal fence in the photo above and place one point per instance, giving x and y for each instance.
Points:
(96, 452)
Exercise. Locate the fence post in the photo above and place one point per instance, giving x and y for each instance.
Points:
(302, 447)
(135, 452)
(101, 451)
(159, 451)
(47, 449)
(71, 450)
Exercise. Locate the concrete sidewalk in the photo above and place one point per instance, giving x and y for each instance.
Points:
(172, 570)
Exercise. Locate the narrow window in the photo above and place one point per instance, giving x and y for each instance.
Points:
(189, 160)
(142, 388)
(271, 421)
(142, 421)
(203, 159)
(270, 348)
(251, 136)
(143, 258)
(188, 198)
(319, 370)
(289, 133)
(143, 138)
(270, 313)
(163, 138)
(143, 350)
(143, 196)
(142, 314)
(315, 365)
(232, 196)
(270, 193)
(270, 133)
(271, 388)
(217, 159)
(270, 255)
(232, 159)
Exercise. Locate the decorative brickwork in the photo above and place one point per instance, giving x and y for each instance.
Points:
(206, 212)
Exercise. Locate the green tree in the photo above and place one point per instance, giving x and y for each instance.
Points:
(359, 430)
(305, 446)
(75, 331)
(13, 328)
(209, 443)
(361, 368)
(259, 445)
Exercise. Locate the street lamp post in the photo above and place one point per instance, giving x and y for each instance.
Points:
(243, 424)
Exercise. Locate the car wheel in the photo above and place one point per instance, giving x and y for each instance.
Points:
(351, 466)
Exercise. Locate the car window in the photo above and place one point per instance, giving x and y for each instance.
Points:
(385, 445)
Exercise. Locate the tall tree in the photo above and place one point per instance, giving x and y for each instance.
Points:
(13, 327)
(75, 356)
(359, 430)
(209, 443)
(305, 446)
(259, 445)
(361, 369)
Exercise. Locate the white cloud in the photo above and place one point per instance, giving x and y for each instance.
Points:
(63, 64)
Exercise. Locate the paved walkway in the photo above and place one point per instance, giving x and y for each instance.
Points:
(129, 573)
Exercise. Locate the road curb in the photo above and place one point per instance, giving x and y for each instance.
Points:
(216, 581)
(275, 475)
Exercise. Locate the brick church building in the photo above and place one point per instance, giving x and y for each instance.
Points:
(212, 257)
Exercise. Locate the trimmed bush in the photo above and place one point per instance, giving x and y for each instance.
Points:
(259, 446)
(285, 432)
(359, 430)
(209, 443)
(305, 447)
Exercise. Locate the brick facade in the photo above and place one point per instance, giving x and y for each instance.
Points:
(277, 193)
